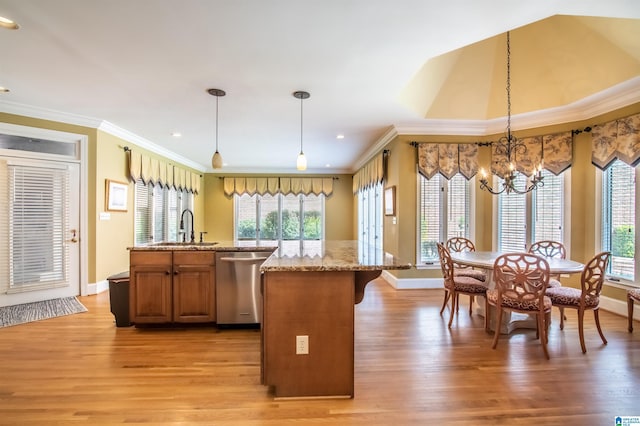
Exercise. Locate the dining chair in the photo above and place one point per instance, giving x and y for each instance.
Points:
(632, 296)
(587, 297)
(550, 249)
(459, 245)
(521, 281)
(455, 285)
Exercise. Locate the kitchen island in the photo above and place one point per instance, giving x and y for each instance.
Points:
(309, 292)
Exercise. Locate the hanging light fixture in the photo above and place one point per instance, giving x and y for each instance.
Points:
(216, 160)
(301, 163)
(509, 146)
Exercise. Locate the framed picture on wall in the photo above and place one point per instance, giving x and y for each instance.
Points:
(116, 196)
(390, 201)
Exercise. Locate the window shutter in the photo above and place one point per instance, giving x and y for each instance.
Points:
(143, 217)
(429, 218)
(458, 207)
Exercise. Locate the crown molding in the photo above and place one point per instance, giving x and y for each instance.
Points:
(126, 135)
(94, 123)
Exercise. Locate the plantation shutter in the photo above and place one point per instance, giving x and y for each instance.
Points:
(159, 218)
(38, 211)
(458, 207)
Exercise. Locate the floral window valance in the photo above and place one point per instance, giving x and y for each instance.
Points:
(277, 185)
(554, 151)
(616, 140)
(448, 159)
(371, 174)
(156, 172)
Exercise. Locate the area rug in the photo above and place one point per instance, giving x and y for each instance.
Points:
(36, 311)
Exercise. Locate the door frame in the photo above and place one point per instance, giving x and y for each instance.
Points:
(82, 157)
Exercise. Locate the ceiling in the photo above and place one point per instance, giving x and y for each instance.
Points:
(141, 69)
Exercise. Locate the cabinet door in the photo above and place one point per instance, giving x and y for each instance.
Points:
(150, 293)
(194, 287)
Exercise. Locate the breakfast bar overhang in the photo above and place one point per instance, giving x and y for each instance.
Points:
(309, 291)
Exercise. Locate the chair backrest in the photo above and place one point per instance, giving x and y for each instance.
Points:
(548, 248)
(446, 263)
(593, 274)
(523, 277)
(460, 244)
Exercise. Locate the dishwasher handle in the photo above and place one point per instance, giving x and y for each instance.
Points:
(243, 259)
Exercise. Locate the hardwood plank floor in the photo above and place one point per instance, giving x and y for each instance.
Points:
(409, 369)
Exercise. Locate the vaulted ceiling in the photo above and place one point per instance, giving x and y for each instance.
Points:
(141, 69)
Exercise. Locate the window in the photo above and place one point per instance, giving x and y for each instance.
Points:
(158, 212)
(619, 220)
(443, 213)
(538, 215)
(370, 215)
(274, 218)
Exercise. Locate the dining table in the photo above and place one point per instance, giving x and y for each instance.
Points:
(484, 260)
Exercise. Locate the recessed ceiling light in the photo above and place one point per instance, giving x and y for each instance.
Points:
(327, 165)
(8, 23)
(4, 90)
(176, 134)
(340, 136)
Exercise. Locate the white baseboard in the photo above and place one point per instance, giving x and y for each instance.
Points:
(618, 307)
(412, 283)
(98, 287)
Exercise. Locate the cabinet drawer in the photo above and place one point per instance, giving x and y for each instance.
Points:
(150, 257)
(193, 257)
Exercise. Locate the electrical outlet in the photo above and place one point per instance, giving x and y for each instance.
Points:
(302, 345)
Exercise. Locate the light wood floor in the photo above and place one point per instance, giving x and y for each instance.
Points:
(409, 369)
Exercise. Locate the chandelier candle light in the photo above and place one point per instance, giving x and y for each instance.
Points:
(508, 146)
(301, 163)
(216, 160)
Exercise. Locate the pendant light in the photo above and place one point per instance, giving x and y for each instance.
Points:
(301, 163)
(216, 160)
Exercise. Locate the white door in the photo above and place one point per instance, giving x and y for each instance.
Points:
(39, 229)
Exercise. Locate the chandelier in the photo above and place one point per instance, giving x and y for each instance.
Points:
(509, 146)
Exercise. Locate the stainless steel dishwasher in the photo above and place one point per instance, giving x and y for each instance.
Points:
(238, 296)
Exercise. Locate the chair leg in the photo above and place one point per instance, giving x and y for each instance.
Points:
(446, 299)
(487, 314)
(541, 327)
(562, 317)
(454, 306)
(630, 310)
(457, 302)
(471, 305)
(499, 321)
(547, 323)
(581, 329)
(596, 315)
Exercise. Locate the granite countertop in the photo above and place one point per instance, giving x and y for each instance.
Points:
(209, 246)
(330, 256)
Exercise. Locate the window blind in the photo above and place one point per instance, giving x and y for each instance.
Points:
(512, 222)
(38, 211)
(619, 219)
(457, 207)
(548, 209)
(429, 219)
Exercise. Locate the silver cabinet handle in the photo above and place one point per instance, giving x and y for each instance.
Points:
(242, 259)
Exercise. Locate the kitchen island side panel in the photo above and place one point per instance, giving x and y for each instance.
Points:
(317, 304)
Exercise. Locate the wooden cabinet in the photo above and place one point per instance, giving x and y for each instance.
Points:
(172, 286)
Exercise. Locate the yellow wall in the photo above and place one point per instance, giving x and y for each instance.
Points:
(218, 209)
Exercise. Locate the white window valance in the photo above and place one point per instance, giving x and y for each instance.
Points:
(277, 185)
(153, 171)
(616, 140)
(448, 159)
(369, 175)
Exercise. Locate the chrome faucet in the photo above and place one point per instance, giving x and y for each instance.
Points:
(184, 235)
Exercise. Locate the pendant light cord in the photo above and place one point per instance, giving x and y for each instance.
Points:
(301, 107)
(217, 97)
